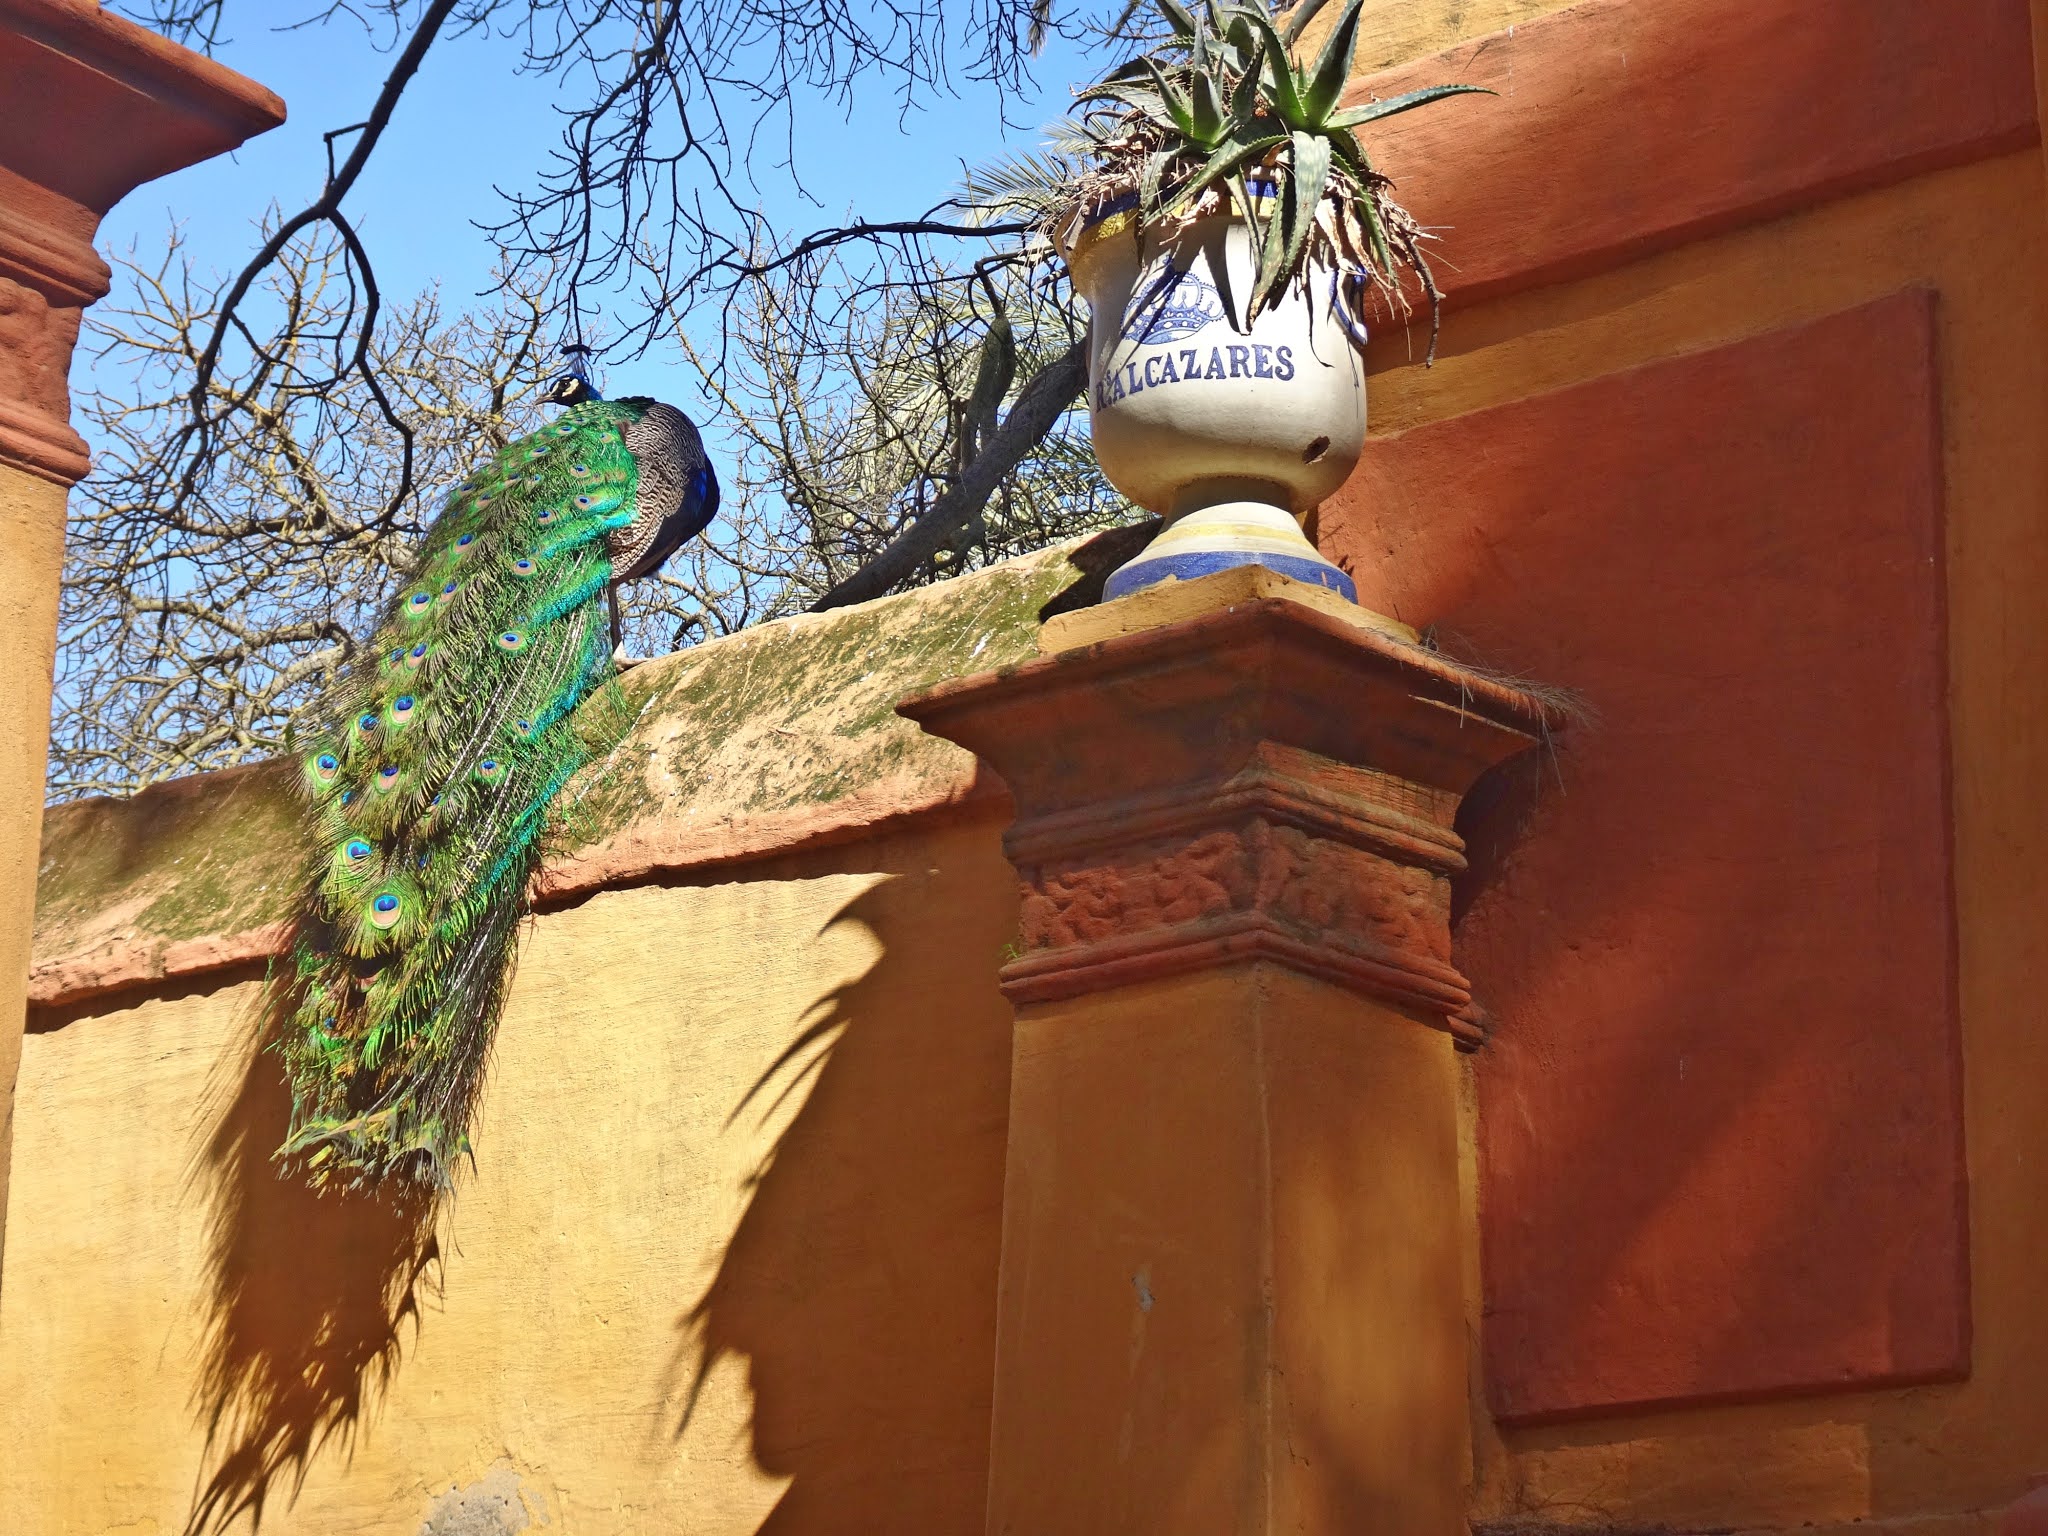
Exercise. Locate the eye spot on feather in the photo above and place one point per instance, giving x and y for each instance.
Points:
(323, 769)
(385, 910)
(579, 470)
(523, 567)
(583, 502)
(417, 603)
(387, 778)
(490, 770)
(402, 709)
(564, 430)
(511, 640)
(357, 850)
(367, 724)
(544, 515)
(523, 729)
(485, 499)
(446, 593)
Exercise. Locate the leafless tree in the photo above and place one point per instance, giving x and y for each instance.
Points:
(683, 103)
(902, 391)
(195, 630)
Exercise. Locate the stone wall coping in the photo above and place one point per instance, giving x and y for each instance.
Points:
(780, 738)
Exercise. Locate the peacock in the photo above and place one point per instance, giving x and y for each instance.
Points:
(429, 783)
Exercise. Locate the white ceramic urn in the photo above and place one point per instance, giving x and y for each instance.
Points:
(1230, 431)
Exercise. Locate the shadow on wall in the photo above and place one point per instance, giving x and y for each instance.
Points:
(310, 1296)
(860, 1284)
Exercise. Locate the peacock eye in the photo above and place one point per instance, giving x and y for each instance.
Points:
(387, 903)
(327, 762)
(420, 599)
(579, 469)
(465, 541)
(367, 723)
(448, 590)
(358, 850)
(583, 501)
(511, 640)
(523, 567)
(544, 515)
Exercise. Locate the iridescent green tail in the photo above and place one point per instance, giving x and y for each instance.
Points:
(428, 797)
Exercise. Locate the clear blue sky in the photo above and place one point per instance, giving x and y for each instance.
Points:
(469, 122)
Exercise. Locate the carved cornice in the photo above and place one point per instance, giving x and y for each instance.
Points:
(91, 106)
(42, 445)
(1265, 782)
(95, 105)
(66, 269)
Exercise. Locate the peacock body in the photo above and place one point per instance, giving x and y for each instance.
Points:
(430, 787)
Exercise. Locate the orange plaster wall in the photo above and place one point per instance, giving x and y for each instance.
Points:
(1526, 585)
(1720, 1125)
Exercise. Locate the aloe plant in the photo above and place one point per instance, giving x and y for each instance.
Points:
(1221, 111)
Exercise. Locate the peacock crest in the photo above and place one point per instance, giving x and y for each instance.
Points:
(429, 786)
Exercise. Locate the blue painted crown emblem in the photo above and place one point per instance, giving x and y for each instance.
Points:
(1179, 305)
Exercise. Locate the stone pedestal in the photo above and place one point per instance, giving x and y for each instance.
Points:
(1231, 1295)
(91, 106)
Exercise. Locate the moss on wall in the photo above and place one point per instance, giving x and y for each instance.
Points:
(786, 720)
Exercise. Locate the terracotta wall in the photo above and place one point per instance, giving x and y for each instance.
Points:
(1735, 430)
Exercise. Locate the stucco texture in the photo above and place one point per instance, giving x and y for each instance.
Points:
(1600, 1156)
(31, 558)
(727, 1258)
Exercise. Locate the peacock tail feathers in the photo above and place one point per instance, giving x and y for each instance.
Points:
(429, 785)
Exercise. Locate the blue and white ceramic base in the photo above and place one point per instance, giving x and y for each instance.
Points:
(1223, 537)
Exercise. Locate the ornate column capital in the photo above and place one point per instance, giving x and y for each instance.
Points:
(1268, 779)
(92, 106)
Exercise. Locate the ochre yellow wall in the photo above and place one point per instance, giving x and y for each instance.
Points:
(760, 1115)
(31, 561)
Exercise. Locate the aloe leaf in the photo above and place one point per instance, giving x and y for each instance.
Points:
(1297, 22)
(1244, 101)
(1225, 161)
(1286, 94)
(1333, 68)
(1311, 175)
(1373, 111)
(1283, 219)
(1177, 105)
(1148, 185)
(1209, 123)
(1176, 14)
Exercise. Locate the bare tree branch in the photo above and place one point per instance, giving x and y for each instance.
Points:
(1051, 391)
